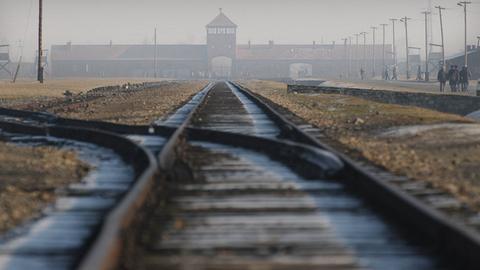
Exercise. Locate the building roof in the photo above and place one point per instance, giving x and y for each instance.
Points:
(303, 52)
(187, 52)
(460, 55)
(221, 21)
(127, 52)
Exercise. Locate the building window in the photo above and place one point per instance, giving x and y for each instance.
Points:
(230, 30)
(221, 30)
(212, 30)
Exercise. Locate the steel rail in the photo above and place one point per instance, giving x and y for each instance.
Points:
(106, 248)
(168, 155)
(450, 236)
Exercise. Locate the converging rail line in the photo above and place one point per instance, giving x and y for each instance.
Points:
(250, 206)
(241, 187)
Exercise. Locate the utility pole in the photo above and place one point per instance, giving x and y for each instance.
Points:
(357, 62)
(364, 50)
(39, 62)
(394, 46)
(440, 8)
(464, 5)
(427, 78)
(373, 52)
(405, 20)
(349, 56)
(383, 51)
(346, 56)
(155, 54)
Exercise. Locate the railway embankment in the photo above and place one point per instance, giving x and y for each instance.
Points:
(447, 103)
(431, 147)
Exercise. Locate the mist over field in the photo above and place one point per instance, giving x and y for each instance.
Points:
(183, 21)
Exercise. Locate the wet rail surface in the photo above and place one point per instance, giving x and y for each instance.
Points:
(58, 238)
(244, 210)
(61, 236)
(258, 203)
(227, 109)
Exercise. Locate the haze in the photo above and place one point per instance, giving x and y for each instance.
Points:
(183, 21)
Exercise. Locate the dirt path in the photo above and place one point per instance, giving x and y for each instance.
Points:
(29, 177)
(405, 140)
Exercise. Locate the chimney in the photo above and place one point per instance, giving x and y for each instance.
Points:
(249, 44)
(111, 43)
(314, 44)
(270, 43)
(69, 45)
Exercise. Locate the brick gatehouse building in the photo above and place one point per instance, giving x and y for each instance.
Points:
(221, 57)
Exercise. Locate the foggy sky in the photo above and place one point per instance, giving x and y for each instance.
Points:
(183, 21)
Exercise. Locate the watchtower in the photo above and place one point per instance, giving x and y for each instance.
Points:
(5, 58)
(221, 46)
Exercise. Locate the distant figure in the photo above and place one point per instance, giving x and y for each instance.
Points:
(419, 74)
(386, 76)
(362, 74)
(453, 78)
(465, 76)
(394, 73)
(442, 79)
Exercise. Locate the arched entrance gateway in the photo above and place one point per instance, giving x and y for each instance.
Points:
(221, 46)
(221, 67)
(300, 70)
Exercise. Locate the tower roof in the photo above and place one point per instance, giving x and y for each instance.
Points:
(221, 21)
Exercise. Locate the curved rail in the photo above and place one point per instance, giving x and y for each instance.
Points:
(430, 224)
(106, 245)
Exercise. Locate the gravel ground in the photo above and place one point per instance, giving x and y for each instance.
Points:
(135, 107)
(26, 91)
(29, 177)
(447, 156)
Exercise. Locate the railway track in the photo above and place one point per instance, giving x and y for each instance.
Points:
(246, 207)
(247, 189)
(60, 237)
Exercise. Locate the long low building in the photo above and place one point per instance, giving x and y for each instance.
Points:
(473, 58)
(221, 57)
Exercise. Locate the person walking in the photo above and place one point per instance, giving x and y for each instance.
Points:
(362, 74)
(419, 74)
(465, 76)
(450, 77)
(442, 79)
(456, 78)
(386, 75)
(394, 73)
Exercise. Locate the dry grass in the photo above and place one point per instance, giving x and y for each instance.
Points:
(134, 108)
(342, 114)
(55, 88)
(29, 177)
